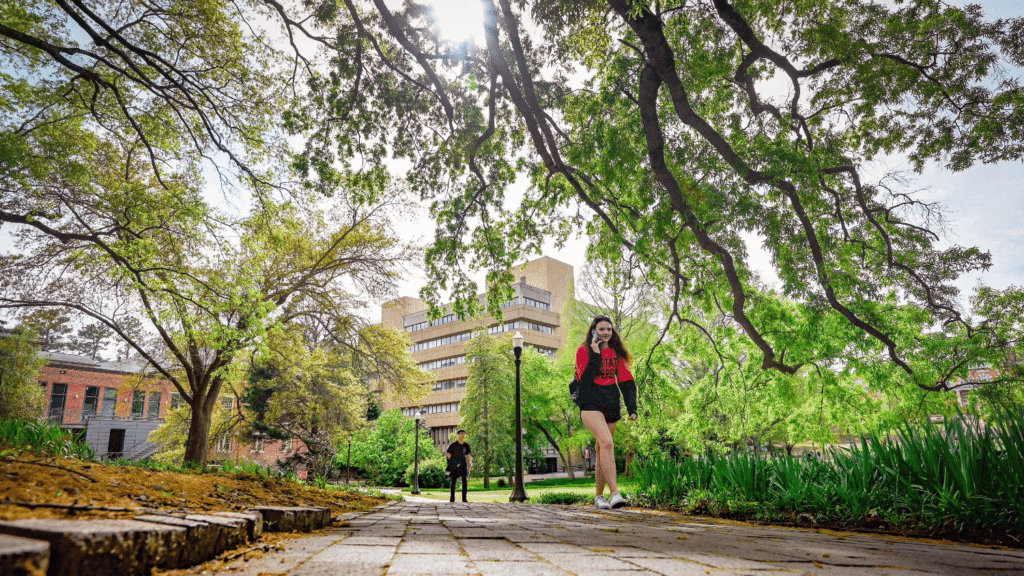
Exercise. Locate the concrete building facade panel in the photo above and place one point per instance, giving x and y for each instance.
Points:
(537, 310)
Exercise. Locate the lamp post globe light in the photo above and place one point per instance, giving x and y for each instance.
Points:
(519, 493)
(416, 458)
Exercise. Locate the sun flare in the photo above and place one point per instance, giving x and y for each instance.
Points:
(459, 20)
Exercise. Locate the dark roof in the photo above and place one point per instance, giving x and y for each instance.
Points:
(129, 366)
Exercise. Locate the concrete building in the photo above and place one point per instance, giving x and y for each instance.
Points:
(537, 309)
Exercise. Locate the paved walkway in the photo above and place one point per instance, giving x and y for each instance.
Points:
(533, 540)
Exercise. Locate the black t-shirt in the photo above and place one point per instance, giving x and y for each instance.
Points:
(458, 452)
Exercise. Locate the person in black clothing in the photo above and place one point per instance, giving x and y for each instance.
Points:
(459, 463)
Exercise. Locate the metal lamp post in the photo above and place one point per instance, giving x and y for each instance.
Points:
(348, 465)
(416, 461)
(519, 493)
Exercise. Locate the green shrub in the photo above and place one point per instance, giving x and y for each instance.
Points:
(953, 476)
(43, 438)
(431, 474)
(245, 467)
(562, 498)
(384, 451)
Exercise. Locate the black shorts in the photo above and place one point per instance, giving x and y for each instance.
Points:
(603, 399)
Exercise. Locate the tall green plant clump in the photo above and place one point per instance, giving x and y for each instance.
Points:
(956, 477)
(42, 438)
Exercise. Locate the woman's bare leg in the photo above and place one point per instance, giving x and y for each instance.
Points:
(594, 421)
(598, 475)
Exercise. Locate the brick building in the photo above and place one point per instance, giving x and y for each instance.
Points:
(537, 310)
(113, 407)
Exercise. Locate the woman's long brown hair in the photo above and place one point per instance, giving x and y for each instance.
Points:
(615, 343)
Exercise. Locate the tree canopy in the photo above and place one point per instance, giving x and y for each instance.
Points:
(21, 397)
(677, 132)
(487, 411)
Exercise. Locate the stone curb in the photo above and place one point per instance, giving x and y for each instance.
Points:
(130, 547)
(290, 518)
(101, 547)
(22, 557)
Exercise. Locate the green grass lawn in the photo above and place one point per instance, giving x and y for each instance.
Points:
(476, 492)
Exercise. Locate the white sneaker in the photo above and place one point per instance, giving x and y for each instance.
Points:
(617, 501)
(602, 503)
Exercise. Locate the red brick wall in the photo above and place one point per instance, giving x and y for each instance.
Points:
(78, 380)
(271, 452)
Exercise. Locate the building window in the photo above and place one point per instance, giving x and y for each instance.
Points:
(415, 327)
(109, 402)
(442, 385)
(443, 320)
(443, 435)
(91, 403)
(428, 344)
(226, 403)
(537, 304)
(58, 399)
(520, 325)
(224, 443)
(257, 444)
(138, 403)
(509, 303)
(175, 400)
(286, 445)
(443, 363)
(537, 327)
(431, 409)
(421, 325)
(441, 408)
(154, 405)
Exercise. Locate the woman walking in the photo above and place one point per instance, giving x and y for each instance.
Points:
(601, 362)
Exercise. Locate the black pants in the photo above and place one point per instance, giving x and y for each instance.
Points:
(455, 478)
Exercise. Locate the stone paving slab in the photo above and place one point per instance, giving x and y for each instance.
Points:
(533, 540)
(298, 552)
(432, 545)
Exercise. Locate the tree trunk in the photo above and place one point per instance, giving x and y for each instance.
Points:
(197, 448)
(566, 461)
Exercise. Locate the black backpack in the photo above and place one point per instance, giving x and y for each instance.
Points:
(575, 391)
